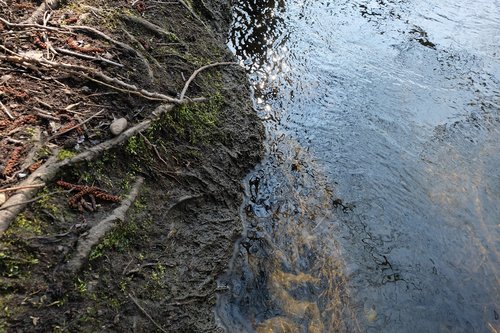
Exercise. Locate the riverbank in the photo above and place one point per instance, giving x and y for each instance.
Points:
(156, 269)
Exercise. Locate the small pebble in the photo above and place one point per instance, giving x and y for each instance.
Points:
(118, 126)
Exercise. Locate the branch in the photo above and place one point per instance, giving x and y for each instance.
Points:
(196, 72)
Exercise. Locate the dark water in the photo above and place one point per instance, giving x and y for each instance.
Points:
(377, 206)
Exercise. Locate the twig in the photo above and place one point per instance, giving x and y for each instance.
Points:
(196, 72)
(76, 126)
(4, 108)
(87, 57)
(10, 189)
(146, 314)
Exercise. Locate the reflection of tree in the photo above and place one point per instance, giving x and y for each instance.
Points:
(257, 25)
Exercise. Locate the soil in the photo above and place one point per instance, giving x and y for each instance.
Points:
(156, 270)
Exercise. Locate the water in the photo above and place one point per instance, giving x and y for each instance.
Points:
(377, 205)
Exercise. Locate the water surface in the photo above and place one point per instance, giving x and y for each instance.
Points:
(377, 205)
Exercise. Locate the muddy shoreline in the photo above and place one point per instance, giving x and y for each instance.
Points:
(155, 271)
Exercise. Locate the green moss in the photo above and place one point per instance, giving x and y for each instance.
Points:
(24, 226)
(16, 263)
(135, 145)
(118, 239)
(65, 154)
(46, 202)
(196, 122)
(80, 286)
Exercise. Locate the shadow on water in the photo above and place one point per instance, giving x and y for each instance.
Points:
(392, 106)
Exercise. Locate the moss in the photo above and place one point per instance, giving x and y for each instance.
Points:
(16, 263)
(46, 202)
(196, 122)
(118, 239)
(65, 154)
(24, 226)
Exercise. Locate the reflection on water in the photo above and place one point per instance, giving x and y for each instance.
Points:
(376, 207)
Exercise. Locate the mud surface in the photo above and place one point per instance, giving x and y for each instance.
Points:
(155, 271)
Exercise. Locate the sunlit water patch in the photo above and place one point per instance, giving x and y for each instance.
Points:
(376, 207)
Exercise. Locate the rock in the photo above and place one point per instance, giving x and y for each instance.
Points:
(3, 198)
(118, 126)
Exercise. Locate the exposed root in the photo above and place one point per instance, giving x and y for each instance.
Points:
(46, 5)
(87, 57)
(149, 26)
(146, 313)
(196, 72)
(48, 171)
(98, 231)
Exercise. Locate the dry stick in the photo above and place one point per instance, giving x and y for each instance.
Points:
(21, 187)
(4, 108)
(76, 126)
(196, 72)
(98, 231)
(87, 57)
(49, 169)
(146, 314)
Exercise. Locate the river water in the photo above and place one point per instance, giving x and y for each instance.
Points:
(377, 205)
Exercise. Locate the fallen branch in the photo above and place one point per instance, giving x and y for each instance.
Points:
(98, 231)
(146, 314)
(28, 25)
(124, 46)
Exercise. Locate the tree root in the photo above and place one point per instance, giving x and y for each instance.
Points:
(146, 313)
(136, 20)
(17, 202)
(196, 72)
(98, 231)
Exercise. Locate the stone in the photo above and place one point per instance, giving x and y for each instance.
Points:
(118, 126)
